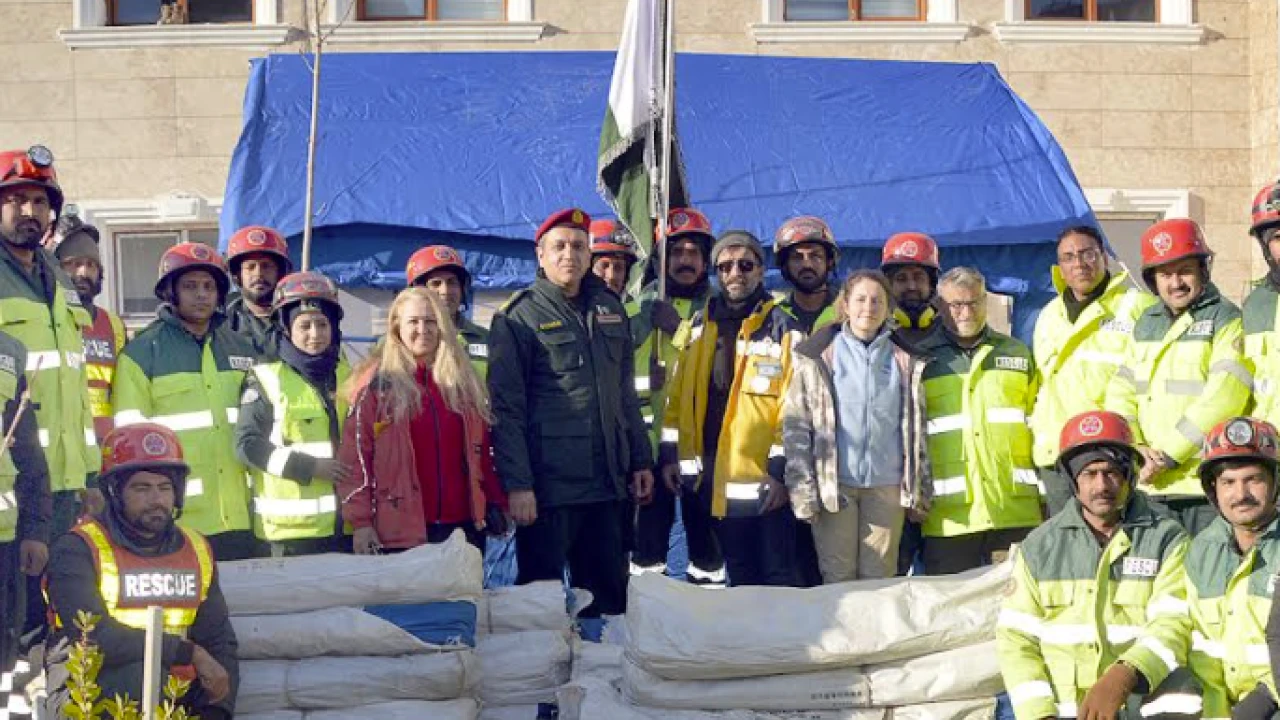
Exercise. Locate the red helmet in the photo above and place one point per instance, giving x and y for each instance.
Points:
(253, 239)
(31, 167)
(608, 238)
(1172, 240)
(143, 446)
(1238, 438)
(435, 257)
(803, 229)
(687, 221)
(910, 248)
(1092, 429)
(602, 229)
(307, 286)
(1266, 209)
(191, 256)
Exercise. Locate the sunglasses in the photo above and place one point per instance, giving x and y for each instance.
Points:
(744, 266)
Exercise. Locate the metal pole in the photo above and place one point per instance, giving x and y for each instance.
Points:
(318, 45)
(152, 663)
(668, 143)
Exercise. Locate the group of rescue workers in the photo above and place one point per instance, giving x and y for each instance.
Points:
(841, 430)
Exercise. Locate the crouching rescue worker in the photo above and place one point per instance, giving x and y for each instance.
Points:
(291, 422)
(1096, 624)
(113, 565)
(1231, 570)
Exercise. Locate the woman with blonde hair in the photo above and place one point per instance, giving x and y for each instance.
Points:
(417, 440)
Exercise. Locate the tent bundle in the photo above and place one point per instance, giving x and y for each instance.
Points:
(411, 635)
(900, 649)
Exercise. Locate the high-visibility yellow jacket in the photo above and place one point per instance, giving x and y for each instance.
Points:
(1076, 360)
(979, 443)
(750, 444)
(13, 360)
(167, 376)
(1262, 349)
(47, 317)
(1076, 608)
(285, 506)
(653, 399)
(1185, 375)
(1230, 597)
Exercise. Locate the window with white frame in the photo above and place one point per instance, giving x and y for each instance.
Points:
(493, 10)
(1093, 10)
(137, 259)
(178, 12)
(1124, 234)
(828, 10)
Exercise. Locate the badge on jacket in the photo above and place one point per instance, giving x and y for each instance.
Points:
(1140, 567)
(9, 364)
(1013, 363)
(240, 362)
(1201, 328)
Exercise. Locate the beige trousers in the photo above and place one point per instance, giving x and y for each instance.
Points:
(861, 541)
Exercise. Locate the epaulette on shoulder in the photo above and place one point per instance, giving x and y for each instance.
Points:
(515, 298)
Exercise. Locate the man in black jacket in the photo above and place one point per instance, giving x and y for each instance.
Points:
(568, 437)
(132, 556)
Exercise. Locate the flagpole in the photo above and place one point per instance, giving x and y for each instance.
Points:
(668, 142)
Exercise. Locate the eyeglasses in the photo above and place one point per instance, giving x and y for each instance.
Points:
(1084, 257)
(744, 266)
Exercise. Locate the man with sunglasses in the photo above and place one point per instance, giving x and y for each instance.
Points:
(721, 435)
(1081, 339)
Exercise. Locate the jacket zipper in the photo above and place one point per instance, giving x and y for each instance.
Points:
(435, 422)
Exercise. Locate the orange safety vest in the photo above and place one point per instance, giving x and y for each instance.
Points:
(102, 344)
(129, 583)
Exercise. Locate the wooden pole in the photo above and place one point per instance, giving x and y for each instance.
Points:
(317, 44)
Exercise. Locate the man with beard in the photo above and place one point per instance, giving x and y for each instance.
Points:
(1185, 373)
(612, 255)
(805, 249)
(257, 258)
(722, 433)
(1262, 307)
(131, 556)
(688, 287)
(1094, 625)
(77, 251)
(185, 372)
(1082, 338)
(911, 262)
(439, 269)
(1231, 572)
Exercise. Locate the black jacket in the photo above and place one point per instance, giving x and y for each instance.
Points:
(73, 586)
(563, 393)
(31, 487)
(263, 334)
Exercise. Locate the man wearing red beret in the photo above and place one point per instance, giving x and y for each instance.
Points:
(569, 442)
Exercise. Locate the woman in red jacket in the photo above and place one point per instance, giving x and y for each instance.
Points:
(417, 438)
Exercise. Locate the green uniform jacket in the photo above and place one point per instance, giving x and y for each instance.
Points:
(1076, 608)
(44, 313)
(1262, 349)
(262, 333)
(561, 384)
(787, 303)
(979, 442)
(1077, 360)
(25, 504)
(475, 340)
(1185, 375)
(653, 399)
(165, 375)
(1230, 597)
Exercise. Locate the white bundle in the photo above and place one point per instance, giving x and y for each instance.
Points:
(681, 632)
(522, 668)
(460, 709)
(977, 709)
(323, 683)
(343, 631)
(595, 699)
(272, 715)
(592, 659)
(509, 712)
(970, 672)
(536, 606)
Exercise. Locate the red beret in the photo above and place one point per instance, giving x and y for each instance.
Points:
(573, 217)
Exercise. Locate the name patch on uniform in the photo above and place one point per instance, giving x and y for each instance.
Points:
(1119, 326)
(239, 362)
(1013, 363)
(553, 325)
(608, 318)
(9, 364)
(768, 369)
(478, 350)
(1200, 328)
(1140, 567)
(162, 585)
(98, 349)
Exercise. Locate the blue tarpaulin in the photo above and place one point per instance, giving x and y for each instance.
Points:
(474, 149)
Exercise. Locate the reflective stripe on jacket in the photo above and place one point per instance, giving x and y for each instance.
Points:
(1262, 349)
(1076, 608)
(1230, 597)
(1077, 360)
(979, 442)
(12, 362)
(103, 341)
(653, 399)
(1185, 375)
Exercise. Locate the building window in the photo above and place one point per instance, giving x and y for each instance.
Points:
(1093, 10)
(494, 10)
(179, 12)
(818, 10)
(138, 259)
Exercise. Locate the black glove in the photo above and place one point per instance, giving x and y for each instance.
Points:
(495, 521)
(664, 316)
(1257, 705)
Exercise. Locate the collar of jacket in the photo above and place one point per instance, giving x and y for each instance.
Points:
(984, 338)
(169, 316)
(1210, 296)
(822, 338)
(1138, 513)
(1219, 533)
(789, 302)
(699, 297)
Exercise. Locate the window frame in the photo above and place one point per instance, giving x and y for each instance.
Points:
(112, 5)
(431, 14)
(855, 11)
(180, 232)
(1090, 14)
